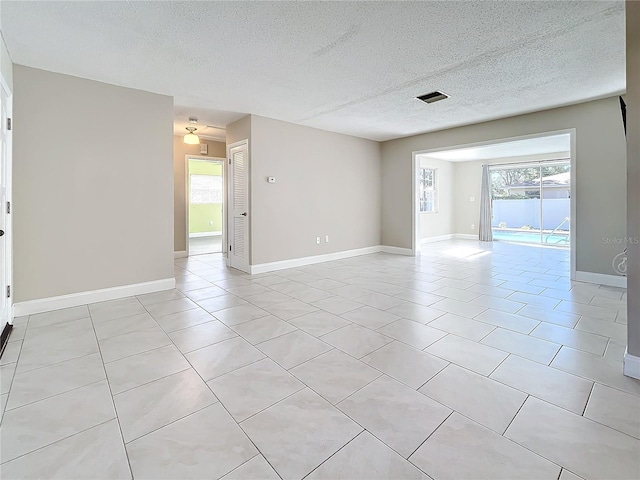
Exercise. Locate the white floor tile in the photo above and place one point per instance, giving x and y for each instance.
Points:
(406, 364)
(461, 448)
(207, 444)
(287, 433)
(483, 400)
(547, 383)
(293, 348)
(616, 409)
(366, 458)
(396, 414)
(581, 445)
(525, 346)
(465, 353)
(248, 390)
(335, 375)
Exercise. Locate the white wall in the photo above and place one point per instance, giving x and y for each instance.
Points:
(441, 222)
(93, 185)
(326, 184)
(600, 175)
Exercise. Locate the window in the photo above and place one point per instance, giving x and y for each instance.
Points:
(428, 198)
(206, 189)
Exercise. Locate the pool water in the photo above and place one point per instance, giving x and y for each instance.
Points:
(560, 239)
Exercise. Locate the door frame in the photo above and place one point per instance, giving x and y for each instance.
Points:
(415, 165)
(230, 146)
(8, 237)
(187, 197)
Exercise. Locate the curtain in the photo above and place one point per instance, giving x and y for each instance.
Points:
(486, 235)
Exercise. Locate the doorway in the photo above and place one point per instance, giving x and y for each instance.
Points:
(549, 163)
(205, 206)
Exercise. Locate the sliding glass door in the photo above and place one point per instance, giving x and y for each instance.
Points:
(531, 202)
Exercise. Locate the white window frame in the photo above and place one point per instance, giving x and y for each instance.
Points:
(432, 190)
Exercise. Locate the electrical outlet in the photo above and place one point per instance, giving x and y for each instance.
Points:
(317, 240)
(472, 226)
(326, 239)
(210, 223)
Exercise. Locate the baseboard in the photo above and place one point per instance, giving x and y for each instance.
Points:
(204, 234)
(465, 236)
(303, 261)
(4, 339)
(602, 279)
(439, 238)
(396, 250)
(180, 254)
(82, 298)
(631, 365)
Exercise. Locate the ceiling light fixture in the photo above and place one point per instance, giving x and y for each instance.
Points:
(191, 138)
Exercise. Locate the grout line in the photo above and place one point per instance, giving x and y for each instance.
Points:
(586, 404)
(113, 403)
(514, 417)
(431, 434)
(4, 462)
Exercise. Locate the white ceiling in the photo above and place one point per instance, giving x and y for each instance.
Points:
(518, 148)
(350, 67)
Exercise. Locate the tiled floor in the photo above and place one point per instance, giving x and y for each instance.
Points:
(469, 362)
(203, 245)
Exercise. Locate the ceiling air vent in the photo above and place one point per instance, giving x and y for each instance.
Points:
(432, 97)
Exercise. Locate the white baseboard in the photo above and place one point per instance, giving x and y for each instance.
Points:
(602, 279)
(396, 250)
(301, 262)
(631, 365)
(465, 236)
(180, 254)
(439, 238)
(204, 234)
(82, 298)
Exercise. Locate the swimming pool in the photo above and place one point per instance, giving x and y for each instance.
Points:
(560, 239)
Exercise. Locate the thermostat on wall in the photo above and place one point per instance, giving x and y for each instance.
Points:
(271, 179)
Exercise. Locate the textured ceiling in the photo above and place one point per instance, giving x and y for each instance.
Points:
(350, 67)
(560, 144)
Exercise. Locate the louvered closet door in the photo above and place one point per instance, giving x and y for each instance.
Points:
(239, 211)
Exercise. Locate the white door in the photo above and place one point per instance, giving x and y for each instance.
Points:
(5, 222)
(239, 207)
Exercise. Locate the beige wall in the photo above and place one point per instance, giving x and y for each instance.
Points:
(93, 185)
(6, 67)
(326, 184)
(600, 173)
(180, 150)
(239, 130)
(468, 183)
(435, 224)
(633, 174)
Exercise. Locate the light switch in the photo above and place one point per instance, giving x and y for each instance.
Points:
(271, 179)
(472, 199)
